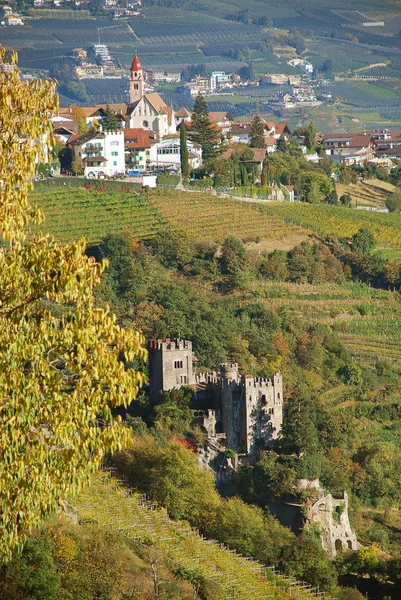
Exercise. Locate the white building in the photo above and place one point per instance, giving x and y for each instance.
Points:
(13, 20)
(166, 153)
(100, 152)
(148, 111)
(219, 79)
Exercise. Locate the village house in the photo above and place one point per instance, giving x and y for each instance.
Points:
(13, 20)
(79, 54)
(162, 76)
(182, 116)
(275, 79)
(137, 143)
(197, 85)
(101, 153)
(166, 154)
(222, 119)
(349, 148)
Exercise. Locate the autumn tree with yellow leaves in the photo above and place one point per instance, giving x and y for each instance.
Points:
(62, 360)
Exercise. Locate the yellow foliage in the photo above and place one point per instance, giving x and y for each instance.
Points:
(60, 357)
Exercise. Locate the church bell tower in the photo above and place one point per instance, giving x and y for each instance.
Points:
(136, 83)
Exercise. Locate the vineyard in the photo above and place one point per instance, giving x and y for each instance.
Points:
(228, 574)
(368, 320)
(71, 214)
(342, 222)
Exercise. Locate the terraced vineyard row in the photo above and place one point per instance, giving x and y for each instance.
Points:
(367, 320)
(77, 212)
(342, 222)
(228, 574)
(74, 213)
(212, 217)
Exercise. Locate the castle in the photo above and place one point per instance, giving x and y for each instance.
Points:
(243, 409)
(240, 412)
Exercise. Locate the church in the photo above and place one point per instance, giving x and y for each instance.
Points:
(148, 111)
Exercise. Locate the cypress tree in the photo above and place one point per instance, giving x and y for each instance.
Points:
(257, 133)
(184, 151)
(202, 131)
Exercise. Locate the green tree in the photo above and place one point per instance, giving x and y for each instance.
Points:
(393, 203)
(345, 200)
(316, 186)
(168, 472)
(31, 575)
(232, 255)
(202, 131)
(257, 133)
(77, 167)
(299, 427)
(363, 241)
(184, 157)
(110, 120)
(60, 362)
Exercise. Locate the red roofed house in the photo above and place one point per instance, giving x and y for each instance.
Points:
(183, 115)
(137, 144)
(349, 148)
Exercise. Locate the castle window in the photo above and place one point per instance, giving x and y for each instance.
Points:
(178, 364)
(264, 401)
(278, 396)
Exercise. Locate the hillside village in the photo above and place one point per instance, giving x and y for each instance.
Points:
(146, 137)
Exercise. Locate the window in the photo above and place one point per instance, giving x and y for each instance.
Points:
(114, 153)
(114, 143)
(178, 364)
(114, 163)
(145, 124)
(278, 396)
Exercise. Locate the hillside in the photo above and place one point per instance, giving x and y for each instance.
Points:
(341, 222)
(228, 575)
(72, 213)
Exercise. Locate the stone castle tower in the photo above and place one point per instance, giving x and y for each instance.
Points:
(170, 366)
(136, 81)
(252, 407)
(244, 407)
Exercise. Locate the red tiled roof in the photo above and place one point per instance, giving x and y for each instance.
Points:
(281, 128)
(183, 112)
(136, 65)
(259, 154)
(136, 138)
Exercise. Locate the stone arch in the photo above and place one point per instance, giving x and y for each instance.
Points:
(349, 544)
(338, 545)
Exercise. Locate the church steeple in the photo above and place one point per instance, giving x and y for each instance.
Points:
(136, 84)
